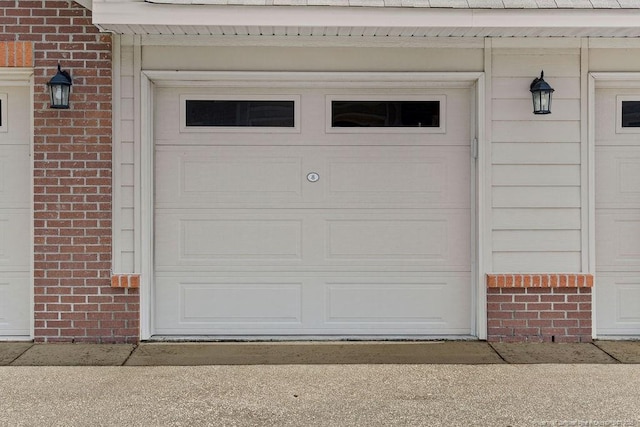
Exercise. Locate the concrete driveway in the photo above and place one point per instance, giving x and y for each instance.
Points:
(321, 384)
(322, 395)
(310, 353)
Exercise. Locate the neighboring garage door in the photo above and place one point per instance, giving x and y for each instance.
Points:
(326, 212)
(617, 212)
(15, 212)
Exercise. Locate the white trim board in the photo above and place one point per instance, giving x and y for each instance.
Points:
(15, 76)
(312, 79)
(586, 264)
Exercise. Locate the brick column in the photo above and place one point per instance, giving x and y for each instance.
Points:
(74, 299)
(539, 307)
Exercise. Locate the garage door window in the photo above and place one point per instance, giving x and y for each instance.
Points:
(628, 114)
(414, 114)
(240, 114)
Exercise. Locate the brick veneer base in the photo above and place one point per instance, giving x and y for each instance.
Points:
(550, 308)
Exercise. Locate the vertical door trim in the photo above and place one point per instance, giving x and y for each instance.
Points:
(146, 208)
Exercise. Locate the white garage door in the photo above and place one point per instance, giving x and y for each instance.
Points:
(15, 216)
(312, 212)
(618, 212)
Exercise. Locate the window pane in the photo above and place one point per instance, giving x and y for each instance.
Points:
(385, 114)
(240, 113)
(630, 114)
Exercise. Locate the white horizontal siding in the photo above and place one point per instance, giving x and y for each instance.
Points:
(124, 245)
(536, 262)
(518, 87)
(538, 240)
(520, 110)
(536, 193)
(514, 64)
(536, 175)
(536, 131)
(536, 153)
(536, 197)
(536, 219)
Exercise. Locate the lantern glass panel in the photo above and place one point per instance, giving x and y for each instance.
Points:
(60, 96)
(536, 102)
(545, 101)
(541, 102)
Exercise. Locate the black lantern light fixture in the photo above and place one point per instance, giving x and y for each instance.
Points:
(60, 87)
(541, 93)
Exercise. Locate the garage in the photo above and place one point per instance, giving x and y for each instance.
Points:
(15, 213)
(317, 211)
(617, 219)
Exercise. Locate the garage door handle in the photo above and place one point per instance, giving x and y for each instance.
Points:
(313, 177)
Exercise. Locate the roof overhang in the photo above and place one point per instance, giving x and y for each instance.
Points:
(136, 17)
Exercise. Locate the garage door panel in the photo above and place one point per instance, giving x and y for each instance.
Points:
(628, 301)
(618, 295)
(618, 240)
(14, 304)
(262, 303)
(410, 302)
(299, 239)
(210, 306)
(14, 240)
(428, 239)
(14, 177)
(422, 177)
(618, 183)
(380, 239)
(197, 176)
(349, 177)
(222, 238)
(293, 305)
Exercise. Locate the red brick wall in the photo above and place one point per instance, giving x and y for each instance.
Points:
(74, 300)
(539, 308)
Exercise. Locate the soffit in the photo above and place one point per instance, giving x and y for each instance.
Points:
(441, 4)
(339, 21)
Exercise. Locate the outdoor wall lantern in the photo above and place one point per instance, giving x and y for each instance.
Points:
(60, 87)
(541, 93)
